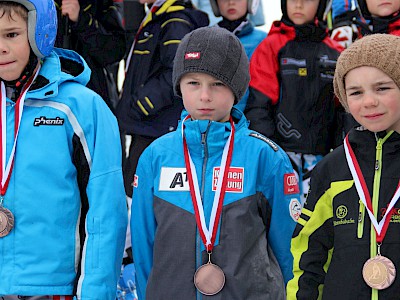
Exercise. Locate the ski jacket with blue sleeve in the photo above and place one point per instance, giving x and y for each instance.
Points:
(66, 189)
(259, 213)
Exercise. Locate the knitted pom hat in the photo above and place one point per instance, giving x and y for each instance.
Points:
(216, 52)
(381, 51)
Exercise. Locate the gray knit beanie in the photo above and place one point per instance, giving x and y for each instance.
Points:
(381, 51)
(216, 52)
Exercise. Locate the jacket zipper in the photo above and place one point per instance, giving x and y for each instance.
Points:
(375, 197)
(361, 214)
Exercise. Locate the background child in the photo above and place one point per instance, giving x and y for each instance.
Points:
(148, 107)
(291, 94)
(363, 17)
(354, 190)
(178, 180)
(62, 204)
(381, 17)
(93, 28)
(234, 18)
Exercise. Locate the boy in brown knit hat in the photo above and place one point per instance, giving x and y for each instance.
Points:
(346, 244)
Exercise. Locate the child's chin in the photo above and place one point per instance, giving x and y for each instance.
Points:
(7, 77)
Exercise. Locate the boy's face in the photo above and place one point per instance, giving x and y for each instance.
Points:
(373, 99)
(14, 46)
(383, 8)
(206, 98)
(232, 9)
(301, 12)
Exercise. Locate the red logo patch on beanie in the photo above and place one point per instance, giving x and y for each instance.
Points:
(192, 55)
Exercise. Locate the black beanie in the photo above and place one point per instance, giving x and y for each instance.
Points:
(216, 52)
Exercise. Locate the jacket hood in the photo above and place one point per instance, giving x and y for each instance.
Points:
(307, 32)
(60, 66)
(220, 132)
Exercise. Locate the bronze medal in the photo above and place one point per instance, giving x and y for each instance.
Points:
(209, 279)
(379, 272)
(6, 221)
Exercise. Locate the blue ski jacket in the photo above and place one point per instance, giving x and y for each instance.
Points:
(259, 213)
(66, 189)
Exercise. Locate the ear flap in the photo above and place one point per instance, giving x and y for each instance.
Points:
(215, 9)
(252, 6)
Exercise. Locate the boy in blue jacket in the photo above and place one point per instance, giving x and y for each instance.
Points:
(213, 196)
(62, 205)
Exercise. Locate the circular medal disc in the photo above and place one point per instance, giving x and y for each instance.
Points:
(6, 221)
(379, 272)
(209, 279)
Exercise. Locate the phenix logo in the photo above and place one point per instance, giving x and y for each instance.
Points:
(192, 55)
(48, 121)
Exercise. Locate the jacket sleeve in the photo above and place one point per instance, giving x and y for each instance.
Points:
(143, 223)
(157, 93)
(260, 112)
(100, 30)
(282, 193)
(312, 243)
(106, 218)
(263, 89)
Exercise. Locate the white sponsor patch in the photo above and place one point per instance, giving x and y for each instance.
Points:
(295, 209)
(173, 180)
(235, 180)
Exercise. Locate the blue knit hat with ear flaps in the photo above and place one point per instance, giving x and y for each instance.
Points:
(214, 51)
(42, 25)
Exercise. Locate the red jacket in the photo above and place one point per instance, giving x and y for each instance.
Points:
(291, 93)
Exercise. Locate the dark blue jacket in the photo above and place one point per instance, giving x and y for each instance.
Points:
(148, 105)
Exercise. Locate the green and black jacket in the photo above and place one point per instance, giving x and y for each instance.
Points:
(334, 236)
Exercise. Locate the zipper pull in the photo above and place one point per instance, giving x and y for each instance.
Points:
(379, 145)
(203, 138)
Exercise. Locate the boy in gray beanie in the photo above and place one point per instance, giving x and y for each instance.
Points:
(228, 63)
(353, 205)
(214, 203)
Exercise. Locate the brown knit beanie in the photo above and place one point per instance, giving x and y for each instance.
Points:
(381, 51)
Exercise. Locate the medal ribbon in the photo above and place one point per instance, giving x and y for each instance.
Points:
(362, 190)
(5, 170)
(209, 234)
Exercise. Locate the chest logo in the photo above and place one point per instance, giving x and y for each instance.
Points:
(173, 179)
(235, 179)
(341, 211)
(57, 121)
